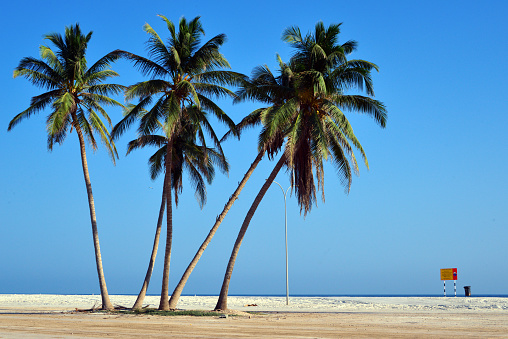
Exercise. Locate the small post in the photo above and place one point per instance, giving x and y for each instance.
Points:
(455, 287)
(444, 288)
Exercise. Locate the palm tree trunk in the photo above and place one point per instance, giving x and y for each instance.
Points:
(222, 303)
(106, 303)
(164, 301)
(179, 288)
(141, 296)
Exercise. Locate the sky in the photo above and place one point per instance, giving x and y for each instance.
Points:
(435, 195)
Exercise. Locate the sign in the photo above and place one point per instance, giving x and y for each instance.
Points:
(448, 274)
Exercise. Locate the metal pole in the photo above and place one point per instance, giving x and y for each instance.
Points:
(286, 236)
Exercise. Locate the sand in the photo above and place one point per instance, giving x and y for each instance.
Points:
(51, 316)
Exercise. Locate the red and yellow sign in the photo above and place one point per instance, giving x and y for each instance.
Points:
(448, 274)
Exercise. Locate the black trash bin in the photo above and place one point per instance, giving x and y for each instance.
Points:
(467, 291)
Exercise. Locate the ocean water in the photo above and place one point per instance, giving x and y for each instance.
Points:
(448, 294)
(357, 295)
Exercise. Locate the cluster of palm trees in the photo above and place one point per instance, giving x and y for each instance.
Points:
(302, 118)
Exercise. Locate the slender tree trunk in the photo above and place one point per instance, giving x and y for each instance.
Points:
(164, 302)
(106, 303)
(179, 288)
(222, 303)
(141, 296)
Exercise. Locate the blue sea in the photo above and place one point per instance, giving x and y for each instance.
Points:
(448, 294)
(356, 295)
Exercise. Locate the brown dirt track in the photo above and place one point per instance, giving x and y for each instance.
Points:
(20, 324)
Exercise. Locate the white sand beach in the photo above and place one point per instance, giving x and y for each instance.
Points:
(51, 302)
(51, 316)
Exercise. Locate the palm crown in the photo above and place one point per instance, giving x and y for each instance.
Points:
(75, 93)
(184, 74)
(312, 117)
(199, 161)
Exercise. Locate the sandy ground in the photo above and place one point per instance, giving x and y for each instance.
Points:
(51, 316)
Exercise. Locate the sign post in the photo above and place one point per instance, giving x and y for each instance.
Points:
(449, 274)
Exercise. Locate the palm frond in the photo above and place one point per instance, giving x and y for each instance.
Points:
(47, 54)
(251, 120)
(146, 88)
(213, 90)
(207, 57)
(319, 144)
(340, 123)
(212, 107)
(169, 23)
(103, 63)
(217, 159)
(130, 117)
(156, 48)
(38, 73)
(149, 122)
(279, 118)
(341, 164)
(292, 35)
(93, 105)
(56, 126)
(157, 162)
(146, 66)
(362, 104)
(146, 140)
(99, 99)
(220, 77)
(98, 126)
(98, 77)
(38, 103)
(197, 181)
(205, 124)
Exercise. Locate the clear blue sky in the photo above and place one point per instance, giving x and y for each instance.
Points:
(435, 195)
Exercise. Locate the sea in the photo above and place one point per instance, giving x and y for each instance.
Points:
(309, 295)
(354, 295)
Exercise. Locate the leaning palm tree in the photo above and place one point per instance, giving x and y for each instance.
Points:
(184, 74)
(199, 162)
(313, 122)
(267, 88)
(75, 95)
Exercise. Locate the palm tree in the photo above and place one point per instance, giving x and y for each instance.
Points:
(184, 74)
(265, 87)
(75, 95)
(199, 161)
(312, 120)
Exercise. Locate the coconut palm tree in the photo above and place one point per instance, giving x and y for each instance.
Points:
(267, 88)
(312, 120)
(198, 161)
(184, 74)
(75, 95)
